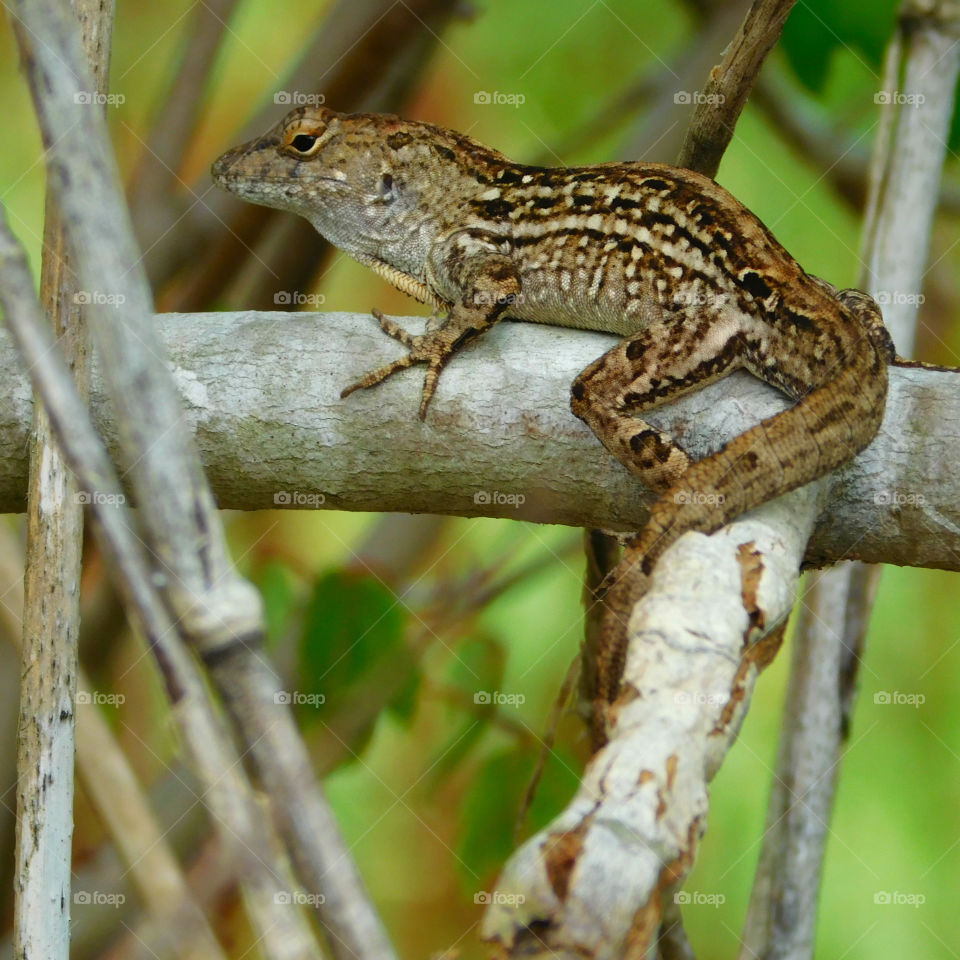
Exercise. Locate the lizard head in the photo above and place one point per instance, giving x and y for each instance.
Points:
(370, 183)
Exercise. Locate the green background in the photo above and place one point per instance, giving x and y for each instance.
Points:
(428, 794)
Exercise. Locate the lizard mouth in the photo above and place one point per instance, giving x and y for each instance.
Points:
(231, 175)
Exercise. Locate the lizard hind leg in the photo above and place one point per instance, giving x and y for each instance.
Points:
(660, 363)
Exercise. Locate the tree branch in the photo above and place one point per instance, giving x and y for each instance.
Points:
(51, 602)
(728, 86)
(261, 393)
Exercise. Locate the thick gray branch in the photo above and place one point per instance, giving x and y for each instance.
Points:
(262, 394)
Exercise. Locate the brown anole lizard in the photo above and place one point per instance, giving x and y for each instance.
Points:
(695, 284)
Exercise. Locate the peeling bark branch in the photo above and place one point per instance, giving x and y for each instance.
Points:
(51, 601)
(595, 880)
(910, 160)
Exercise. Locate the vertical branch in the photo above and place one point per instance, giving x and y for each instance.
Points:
(227, 793)
(908, 157)
(218, 611)
(111, 785)
(917, 103)
(51, 610)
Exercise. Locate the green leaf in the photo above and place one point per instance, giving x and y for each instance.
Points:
(491, 806)
(352, 625)
(477, 669)
(275, 583)
(816, 29)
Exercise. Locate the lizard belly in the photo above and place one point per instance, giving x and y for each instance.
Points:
(578, 298)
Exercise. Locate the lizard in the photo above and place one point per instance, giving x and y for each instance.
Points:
(692, 281)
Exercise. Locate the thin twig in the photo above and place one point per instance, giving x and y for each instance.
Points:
(156, 201)
(725, 92)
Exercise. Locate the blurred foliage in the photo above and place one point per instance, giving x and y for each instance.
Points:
(429, 780)
(816, 30)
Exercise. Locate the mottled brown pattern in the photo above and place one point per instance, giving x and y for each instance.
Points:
(693, 281)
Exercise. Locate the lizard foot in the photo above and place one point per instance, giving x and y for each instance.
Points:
(433, 348)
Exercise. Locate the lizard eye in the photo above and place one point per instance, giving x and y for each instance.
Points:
(305, 144)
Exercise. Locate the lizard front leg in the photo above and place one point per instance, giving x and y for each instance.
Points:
(490, 285)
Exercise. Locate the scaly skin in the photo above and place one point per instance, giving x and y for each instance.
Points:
(693, 281)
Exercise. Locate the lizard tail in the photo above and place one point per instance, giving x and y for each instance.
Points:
(836, 420)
